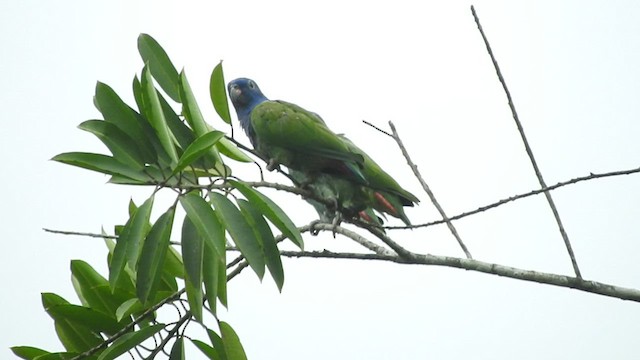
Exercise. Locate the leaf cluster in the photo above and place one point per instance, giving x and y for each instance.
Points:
(154, 145)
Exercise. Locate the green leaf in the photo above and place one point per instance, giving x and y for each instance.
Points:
(240, 231)
(153, 112)
(214, 276)
(121, 145)
(160, 65)
(190, 108)
(93, 320)
(153, 256)
(230, 150)
(271, 211)
(217, 343)
(63, 356)
(116, 112)
(177, 350)
(28, 352)
(173, 265)
(130, 241)
(100, 163)
(193, 256)
(184, 135)
(198, 148)
(263, 232)
(94, 288)
(127, 308)
(76, 338)
(161, 157)
(232, 344)
(129, 341)
(206, 349)
(217, 89)
(206, 222)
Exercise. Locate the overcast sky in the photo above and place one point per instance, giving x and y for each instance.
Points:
(572, 68)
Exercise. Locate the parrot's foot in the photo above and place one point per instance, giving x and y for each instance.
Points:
(337, 220)
(272, 165)
(312, 227)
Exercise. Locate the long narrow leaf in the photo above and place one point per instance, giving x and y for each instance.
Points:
(177, 350)
(193, 256)
(216, 342)
(198, 148)
(130, 241)
(206, 222)
(271, 211)
(28, 352)
(160, 65)
(232, 344)
(217, 90)
(76, 338)
(155, 115)
(262, 231)
(87, 317)
(190, 108)
(121, 145)
(116, 112)
(241, 233)
(94, 288)
(206, 349)
(230, 150)
(100, 163)
(183, 134)
(129, 341)
(153, 256)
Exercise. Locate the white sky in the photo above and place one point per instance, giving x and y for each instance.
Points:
(572, 68)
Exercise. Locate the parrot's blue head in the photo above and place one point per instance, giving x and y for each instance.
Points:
(245, 95)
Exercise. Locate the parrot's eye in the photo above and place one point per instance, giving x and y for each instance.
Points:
(252, 85)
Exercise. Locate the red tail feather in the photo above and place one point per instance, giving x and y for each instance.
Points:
(386, 204)
(364, 216)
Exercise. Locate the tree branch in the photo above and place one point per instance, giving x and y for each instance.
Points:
(591, 176)
(128, 328)
(426, 188)
(547, 194)
(593, 287)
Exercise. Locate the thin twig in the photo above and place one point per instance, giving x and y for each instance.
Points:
(103, 236)
(128, 328)
(426, 188)
(591, 176)
(593, 287)
(547, 194)
(171, 333)
(377, 128)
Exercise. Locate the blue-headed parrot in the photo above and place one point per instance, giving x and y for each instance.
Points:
(328, 164)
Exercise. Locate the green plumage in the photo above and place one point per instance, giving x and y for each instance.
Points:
(289, 135)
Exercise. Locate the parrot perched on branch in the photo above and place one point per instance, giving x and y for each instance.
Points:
(328, 164)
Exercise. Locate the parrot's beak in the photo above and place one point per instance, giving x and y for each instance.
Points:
(234, 93)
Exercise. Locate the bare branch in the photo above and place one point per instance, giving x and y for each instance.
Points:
(591, 176)
(129, 327)
(426, 188)
(377, 128)
(488, 268)
(547, 194)
(103, 236)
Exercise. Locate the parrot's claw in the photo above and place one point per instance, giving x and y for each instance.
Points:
(336, 222)
(272, 165)
(312, 227)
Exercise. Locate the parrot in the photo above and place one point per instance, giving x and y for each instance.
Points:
(328, 164)
(287, 134)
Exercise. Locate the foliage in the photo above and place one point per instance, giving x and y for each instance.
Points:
(156, 146)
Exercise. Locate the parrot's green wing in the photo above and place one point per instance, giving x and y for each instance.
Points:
(389, 197)
(300, 140)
